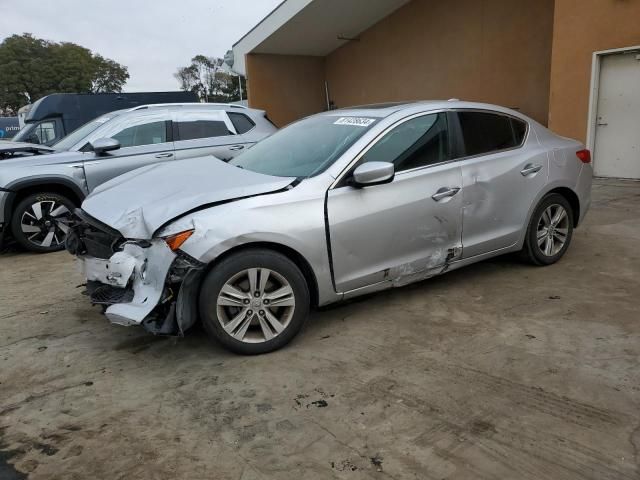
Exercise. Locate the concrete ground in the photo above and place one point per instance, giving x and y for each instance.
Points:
(496, 371)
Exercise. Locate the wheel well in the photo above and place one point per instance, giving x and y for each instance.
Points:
(573, 200)
(288, 252)
(58, 188)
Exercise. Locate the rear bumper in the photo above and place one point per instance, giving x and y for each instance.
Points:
(583, 190)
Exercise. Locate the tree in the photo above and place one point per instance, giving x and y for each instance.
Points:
(31, 68)
(109, 76)
(207, 77)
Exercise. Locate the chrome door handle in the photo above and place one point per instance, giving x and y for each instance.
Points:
(236, 147)
(164, 155)
(529, 169)
(445, 192)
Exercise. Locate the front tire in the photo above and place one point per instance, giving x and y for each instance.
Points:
(40, 222)
(255, 301)
(550, 231)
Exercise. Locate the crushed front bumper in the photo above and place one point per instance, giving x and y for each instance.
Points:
(141, 271)
(137, 282)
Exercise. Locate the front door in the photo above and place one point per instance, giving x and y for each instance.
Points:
(144, 140)
(401, 231)
(617, 147)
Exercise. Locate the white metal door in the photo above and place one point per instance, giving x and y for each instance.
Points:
(617, 140)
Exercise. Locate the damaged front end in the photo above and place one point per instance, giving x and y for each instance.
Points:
(137, 282)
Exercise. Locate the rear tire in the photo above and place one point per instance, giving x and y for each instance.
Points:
(550, 231)
(255, 301)
(40, 222)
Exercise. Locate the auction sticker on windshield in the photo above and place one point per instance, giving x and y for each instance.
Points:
(355, 121)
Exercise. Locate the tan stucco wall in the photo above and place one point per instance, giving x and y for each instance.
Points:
(582, 27)
(287, 87)
(498, 51)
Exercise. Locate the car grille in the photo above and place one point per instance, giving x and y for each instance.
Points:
(109, 295)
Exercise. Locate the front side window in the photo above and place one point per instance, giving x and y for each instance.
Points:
(144, 134)
(46, 132)
(485, 132)
(415, 143)
(305, 148)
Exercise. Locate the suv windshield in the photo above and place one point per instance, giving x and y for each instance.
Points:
(305, 148)
(78, 134)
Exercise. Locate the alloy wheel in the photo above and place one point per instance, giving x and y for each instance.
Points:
(46, 223)
(553, 230)
(255, 305)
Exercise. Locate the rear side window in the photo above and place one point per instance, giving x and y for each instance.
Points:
(202, 129)
(192, 125)
(242, 123)
(485, 132)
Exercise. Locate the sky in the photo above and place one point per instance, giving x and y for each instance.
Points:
(151, 37)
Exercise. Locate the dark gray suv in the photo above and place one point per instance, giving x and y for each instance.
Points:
(40, 188)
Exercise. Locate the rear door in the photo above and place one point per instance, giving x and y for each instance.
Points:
(402, 231)
(145, 139)
(504, 171)
(201, 132)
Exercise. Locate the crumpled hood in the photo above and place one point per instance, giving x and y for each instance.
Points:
(138, 203)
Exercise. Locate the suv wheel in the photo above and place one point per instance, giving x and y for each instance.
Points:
(550, 231)
(254, 301)
(40, 222)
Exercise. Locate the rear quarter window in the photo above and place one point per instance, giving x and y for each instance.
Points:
(241, 122)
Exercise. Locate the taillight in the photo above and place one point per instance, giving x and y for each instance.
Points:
(584, 155)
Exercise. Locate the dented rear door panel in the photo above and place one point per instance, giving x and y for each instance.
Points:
(498, 193)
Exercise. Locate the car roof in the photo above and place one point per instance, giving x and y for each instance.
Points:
(383, 110)
(177, 106)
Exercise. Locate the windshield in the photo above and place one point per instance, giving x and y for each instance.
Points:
(305, 148)
(78, 134)
(23, 135)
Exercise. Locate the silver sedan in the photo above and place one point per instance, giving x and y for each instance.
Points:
(337, 205)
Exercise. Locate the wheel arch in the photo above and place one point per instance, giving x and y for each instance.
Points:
(292, 254)
(573, 200)
(563, 190)
(23, 189)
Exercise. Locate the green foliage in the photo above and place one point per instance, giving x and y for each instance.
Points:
(207, 77)
(31, 68)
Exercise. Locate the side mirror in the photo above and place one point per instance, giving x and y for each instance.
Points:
(373, 173)
(103, 145)
(33, 138)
